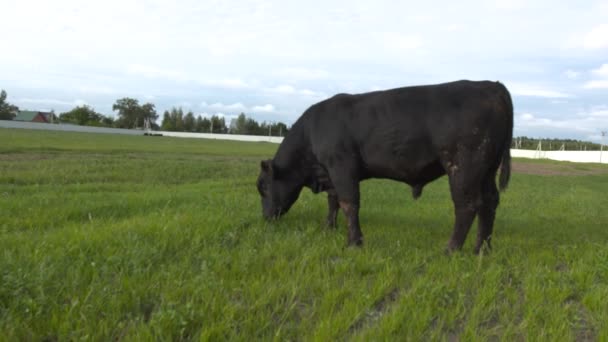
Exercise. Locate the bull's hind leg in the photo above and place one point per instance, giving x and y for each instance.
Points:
(333, 206)
(465, 188)
(487, 212)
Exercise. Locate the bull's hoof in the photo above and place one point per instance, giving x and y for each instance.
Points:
(452, 248)
(355, 242)
(331, 224)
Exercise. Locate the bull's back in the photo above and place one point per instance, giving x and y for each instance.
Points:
(400, 133)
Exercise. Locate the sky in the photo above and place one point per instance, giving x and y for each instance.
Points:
(273, 59)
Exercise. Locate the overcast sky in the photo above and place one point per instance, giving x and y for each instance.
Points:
(273, 59)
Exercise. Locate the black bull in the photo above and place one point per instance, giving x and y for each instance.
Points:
(413, 135)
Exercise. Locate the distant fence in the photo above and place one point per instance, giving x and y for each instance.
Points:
(90, 129)
(573, 156)
(68, 128)
(238, 137)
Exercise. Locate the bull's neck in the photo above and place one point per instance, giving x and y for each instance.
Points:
(293, 151)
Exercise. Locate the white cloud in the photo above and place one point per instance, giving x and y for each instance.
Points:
(400, 42)
(522, 89)
(303, 74)
(571, 74)
(283, 89)
(154, 72)
(218, 106)
(96, 89)
(510, 5)
(309, 92)
(596, 84)
(596, 111)
(229, 83)
(287, 89)
(267, 108)
(527, 117)
(237, 107)
(597, 38)
(453, 27)
(584, 125)
(602, 82)
(78, 102)
(601, 71)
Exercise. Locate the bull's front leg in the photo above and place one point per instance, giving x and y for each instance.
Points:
(333, 205)
(345, 181)
(351, 211)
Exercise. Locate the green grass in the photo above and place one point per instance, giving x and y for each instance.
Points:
(108, 237)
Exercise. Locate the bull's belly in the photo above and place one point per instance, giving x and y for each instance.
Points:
(411, 171)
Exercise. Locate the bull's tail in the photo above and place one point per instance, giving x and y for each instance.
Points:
(505, 168)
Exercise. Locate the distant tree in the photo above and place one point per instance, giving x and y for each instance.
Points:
(131, 114)
(279, 129)
(148, 112)
(167, 123)
(128, 112)
(7, 110)
(202, 125)
(218, 124)
(179, 120)
(240, 124)
(247, 125)
(198, 124)
(527, 143)
(252, 127)
(107, 121)
(189, 122)
(82, 115)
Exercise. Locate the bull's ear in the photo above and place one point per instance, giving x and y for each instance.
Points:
(266, 166)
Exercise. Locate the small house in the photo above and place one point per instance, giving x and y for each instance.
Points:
(34, 116)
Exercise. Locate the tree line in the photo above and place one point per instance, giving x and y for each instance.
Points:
(175, 120)
(527, 143)
(131, 114)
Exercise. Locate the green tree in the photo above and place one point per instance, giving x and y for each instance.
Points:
(240, 124)
(7, 110)
(179, 119)
(218, 124)
(107, 121)
(131, 114)
(82, 115)
(167, 124)
(202, 124)
(252, 127)
(148, 112)
(279, 129)
(189, 122)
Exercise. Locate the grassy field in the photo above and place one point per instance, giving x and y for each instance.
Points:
(107, 237)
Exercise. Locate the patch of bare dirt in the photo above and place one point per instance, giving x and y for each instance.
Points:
(379, 308)
(561, 169)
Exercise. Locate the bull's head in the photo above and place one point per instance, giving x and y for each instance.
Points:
(278, 190)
